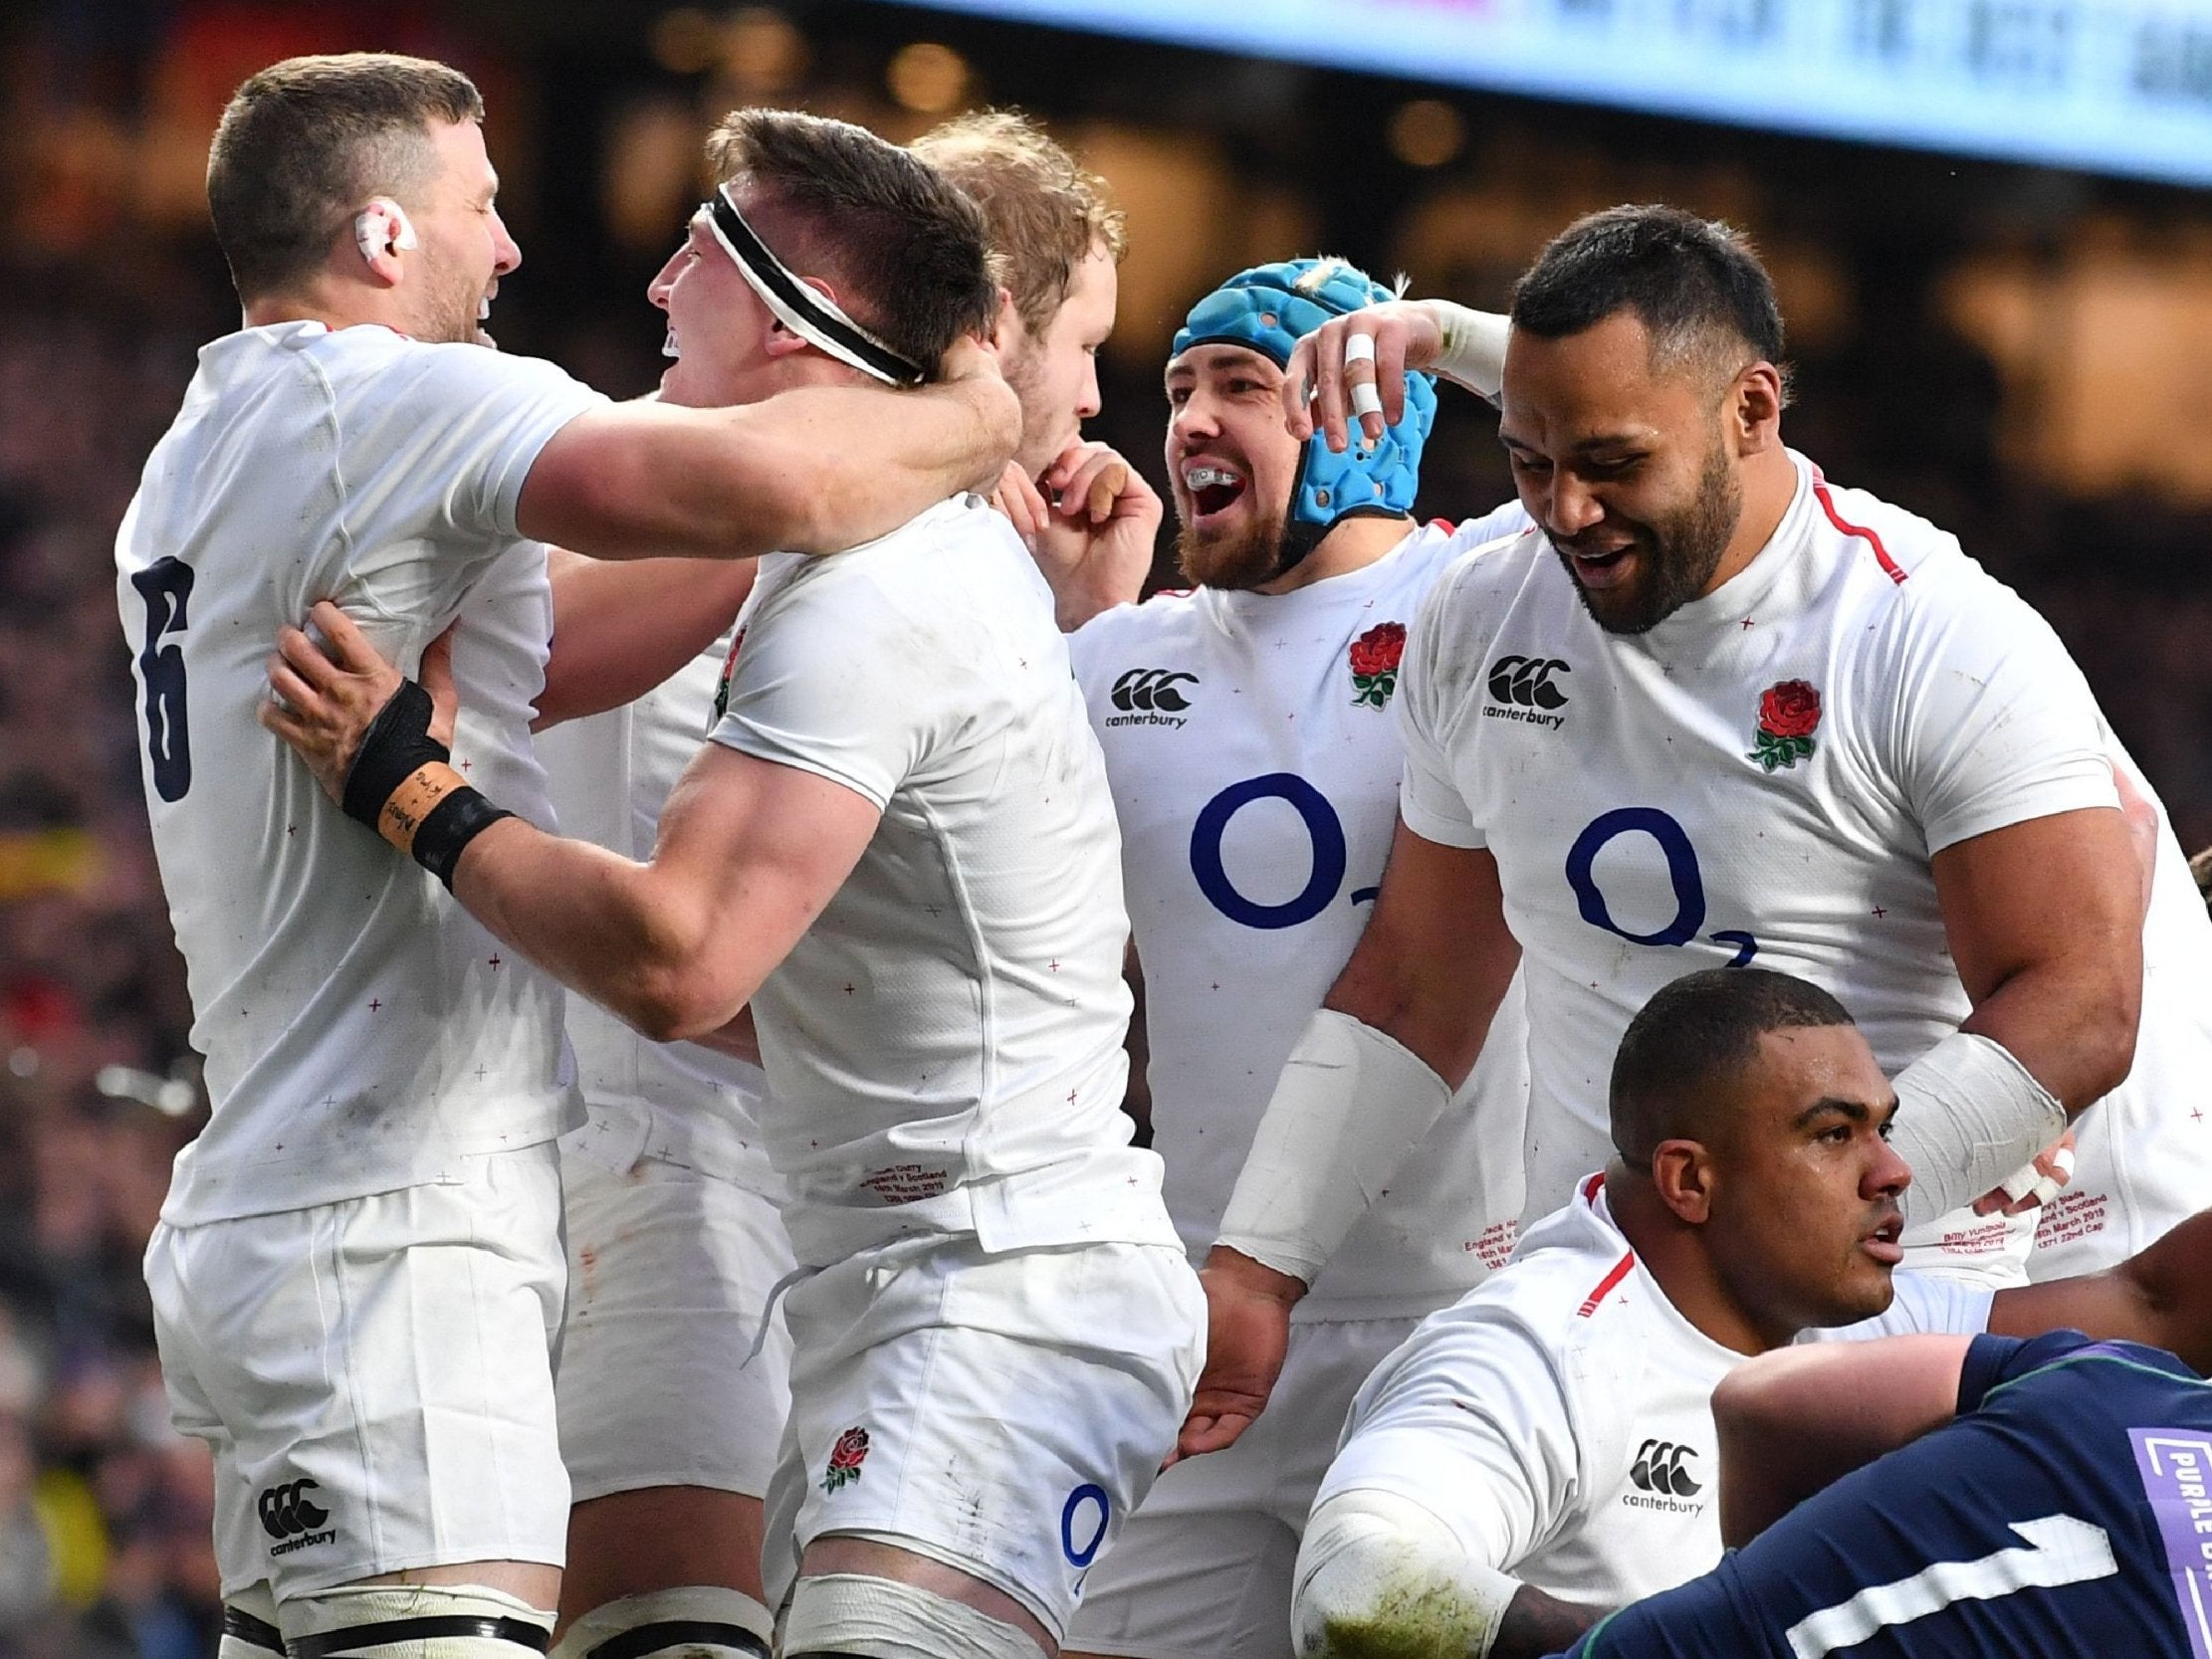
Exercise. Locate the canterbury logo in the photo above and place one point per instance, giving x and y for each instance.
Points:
(1150, 689)
(1663, 1466)
(1526, 682)
(287, 1510)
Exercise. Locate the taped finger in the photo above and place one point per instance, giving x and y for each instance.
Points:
(1358, 349)
(1366, 400)
(2046, 1189)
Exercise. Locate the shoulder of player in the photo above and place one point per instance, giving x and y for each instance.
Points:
(1171, 617)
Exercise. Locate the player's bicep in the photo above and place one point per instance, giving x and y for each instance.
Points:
(2034, 892)
(750, 853)
(1437, 955)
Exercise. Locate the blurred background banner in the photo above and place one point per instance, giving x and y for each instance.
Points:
(1986, 219)
(2118, 87)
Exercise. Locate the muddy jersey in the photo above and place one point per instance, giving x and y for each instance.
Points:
(1558, 1418)
(1252, 741)
(943, 1044)
(362, 1032)
(1762, 777)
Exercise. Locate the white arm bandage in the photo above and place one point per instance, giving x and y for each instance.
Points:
(1474, 353)
(1350, 1104)
(1968, 1115)
(1377, 1573)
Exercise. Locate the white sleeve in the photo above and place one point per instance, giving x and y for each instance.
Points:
(816, 683)
(466, 421)
(1991, 723)
(1924, 1305)
(1469, 1420)
(1428, 799)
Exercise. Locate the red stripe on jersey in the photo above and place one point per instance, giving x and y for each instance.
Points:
(1592, 1185)
(1444, 525)
(1606, 1285)
(1828, 506)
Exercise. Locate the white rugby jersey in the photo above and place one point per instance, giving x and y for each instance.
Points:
(1558, 1418)
(943, 1044)
(610, 775)
(1760, 778)
(362, 1031)
(1254, 761)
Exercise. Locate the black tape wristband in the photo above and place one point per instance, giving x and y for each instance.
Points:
(396, 743)
(452, 824)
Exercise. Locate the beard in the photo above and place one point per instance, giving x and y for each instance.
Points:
(1679, 554)
(1233, 561)
(450, 308)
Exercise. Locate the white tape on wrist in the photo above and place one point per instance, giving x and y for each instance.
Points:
(1350, 1104)
(1968, 1114)
(1473, 351)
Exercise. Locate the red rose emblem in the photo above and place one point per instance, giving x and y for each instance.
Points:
(1374, 658)
(1790, 710)
(1376, 650)
(845, 1459)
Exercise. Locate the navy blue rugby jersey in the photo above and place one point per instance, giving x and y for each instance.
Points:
(2064, 1513)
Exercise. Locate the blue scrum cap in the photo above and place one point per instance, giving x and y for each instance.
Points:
(1270, 308)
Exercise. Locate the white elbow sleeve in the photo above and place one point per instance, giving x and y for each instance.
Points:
(1473, 352)
(1381, 1577)
(1968, 1114)
(1350, 1104)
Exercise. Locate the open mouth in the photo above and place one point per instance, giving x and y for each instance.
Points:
(1883, 1245)
(1601, 568)
(668, 347)
(1213, 487)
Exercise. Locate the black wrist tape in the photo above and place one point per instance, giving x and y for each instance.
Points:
(396, 743)
(452, 824)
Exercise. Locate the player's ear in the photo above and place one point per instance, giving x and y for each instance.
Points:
(1683, 1172)
(1755, 408)
(383, 232)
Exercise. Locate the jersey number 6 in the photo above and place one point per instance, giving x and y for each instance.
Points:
(165, 585)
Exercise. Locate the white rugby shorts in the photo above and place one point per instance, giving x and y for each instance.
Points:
(1204, 1565)
(670, 1274)
(373, 1376)
(1002, 1414)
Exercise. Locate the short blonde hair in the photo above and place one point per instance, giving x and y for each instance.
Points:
(1045, 212)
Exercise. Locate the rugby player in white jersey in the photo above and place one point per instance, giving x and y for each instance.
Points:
(671, 1393)
(1543, 1451)
(1254, 764)
(1716, 709)
(359, 1267)
(896, 861)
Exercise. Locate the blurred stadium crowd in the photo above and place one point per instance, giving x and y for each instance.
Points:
(108, 285)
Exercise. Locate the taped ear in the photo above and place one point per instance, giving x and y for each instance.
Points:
(382, 226)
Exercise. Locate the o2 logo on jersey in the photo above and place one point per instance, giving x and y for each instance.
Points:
(1324, 829)
(1083, 1523)
(1682, 873)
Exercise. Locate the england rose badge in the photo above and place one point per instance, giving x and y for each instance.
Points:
(1375, 656)
(1789, 713)
(845, 1459)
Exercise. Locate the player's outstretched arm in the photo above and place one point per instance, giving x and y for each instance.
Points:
(2160, 1296)
(808, 471)
(1399, 1032)
(622, 626)
(749, 854)
(1328, 386)
(1795, 1420)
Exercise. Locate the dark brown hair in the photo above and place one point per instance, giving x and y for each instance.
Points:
(906, 251)
(306, 142)
(1045, 214)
